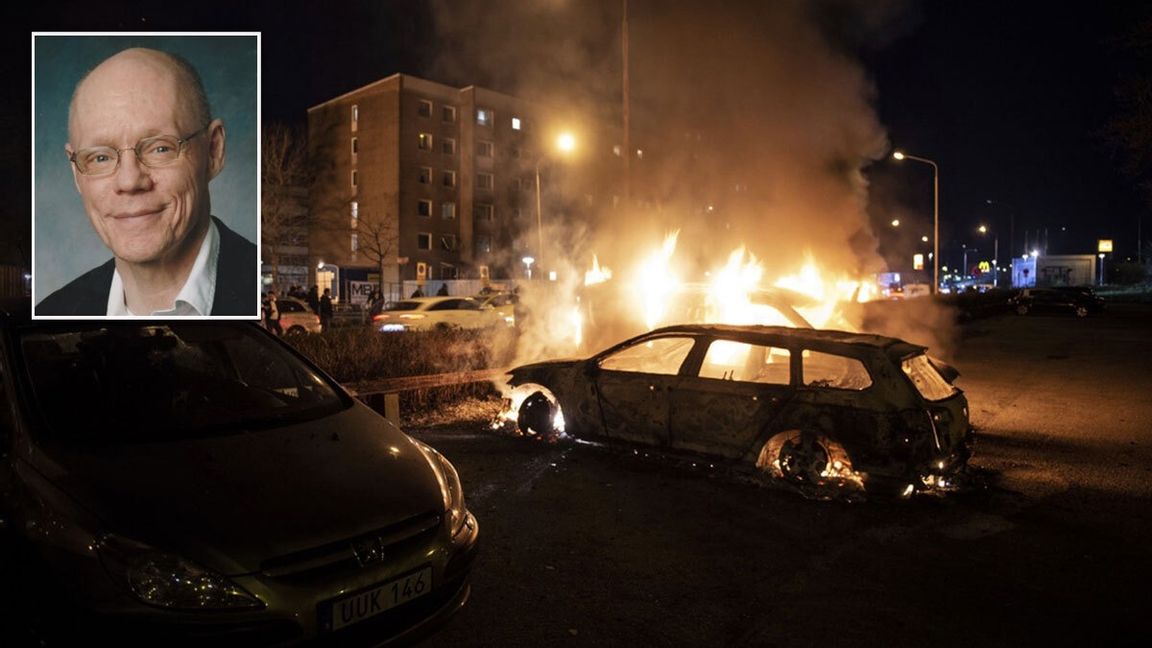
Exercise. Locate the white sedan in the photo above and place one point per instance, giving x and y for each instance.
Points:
(427, 313)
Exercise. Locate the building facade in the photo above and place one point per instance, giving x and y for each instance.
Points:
(417, 181)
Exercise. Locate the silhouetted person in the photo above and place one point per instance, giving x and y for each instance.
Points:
(325, 310)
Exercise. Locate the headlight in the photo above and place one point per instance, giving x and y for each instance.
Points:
(450, 487)
(169, 581)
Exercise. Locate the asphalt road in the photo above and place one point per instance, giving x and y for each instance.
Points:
(592, 546)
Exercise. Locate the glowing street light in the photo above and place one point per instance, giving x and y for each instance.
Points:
(565, 143)
(983, 229)
(528, 261)
(900, 155)
(895, 222)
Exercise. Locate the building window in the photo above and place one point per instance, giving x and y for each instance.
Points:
(484, 116)
(355, 241)
(448, 114)
(425, 175)
(424, 241)
(355, 178)
(484, 148)
(425, 108)
(484, 181)
(448, 210)
(355, 208)
(447, 271)
(355, 145)
(616, 150)
(424, 207)
(639, 154)
(448, 242)
(515, 123)
(483, 211)
(448, 179)
(355, 116)
(484, 243)
(354, 221)
(448, 146)
(515, 152)
(425, 141)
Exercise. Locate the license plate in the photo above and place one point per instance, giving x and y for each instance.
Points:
(368, 603)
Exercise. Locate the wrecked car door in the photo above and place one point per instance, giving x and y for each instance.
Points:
(739, 389)
(633, 385)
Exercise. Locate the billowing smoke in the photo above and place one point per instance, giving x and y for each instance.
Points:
(755, 120)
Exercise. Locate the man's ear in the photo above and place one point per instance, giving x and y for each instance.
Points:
(72, 165)
(215, 148)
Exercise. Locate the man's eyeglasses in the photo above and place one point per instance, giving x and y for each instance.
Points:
(152, 152)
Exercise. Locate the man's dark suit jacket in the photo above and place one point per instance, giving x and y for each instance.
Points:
(236, 283)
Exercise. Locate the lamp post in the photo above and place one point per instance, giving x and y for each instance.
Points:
(900, 155)
(332, 269)
(565, 143)
(995, 255)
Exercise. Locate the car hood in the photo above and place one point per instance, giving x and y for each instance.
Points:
(231, 502)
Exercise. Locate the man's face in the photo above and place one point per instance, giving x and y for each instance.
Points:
(144, 215)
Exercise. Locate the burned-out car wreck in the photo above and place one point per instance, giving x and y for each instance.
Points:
(825, 411)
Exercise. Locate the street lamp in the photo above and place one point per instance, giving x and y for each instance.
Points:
(1011, 222)
(528, 261)
(900, 155)
(995, 255)
(329, 269)
(565, 143)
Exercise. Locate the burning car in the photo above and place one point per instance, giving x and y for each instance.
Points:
(819, 409)
(198, 482)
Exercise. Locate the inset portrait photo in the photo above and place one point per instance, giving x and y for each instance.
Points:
(146, 180)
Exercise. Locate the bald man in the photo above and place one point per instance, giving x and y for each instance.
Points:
(143, 148)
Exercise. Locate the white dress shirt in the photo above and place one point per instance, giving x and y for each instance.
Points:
(195, 296)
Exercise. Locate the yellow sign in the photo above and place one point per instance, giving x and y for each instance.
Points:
(917, 261)
(985, 266)
(1105, 245)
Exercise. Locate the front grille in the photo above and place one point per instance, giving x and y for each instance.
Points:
(340, 555)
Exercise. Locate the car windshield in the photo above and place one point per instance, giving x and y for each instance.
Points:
(403, 306)
(928, 381)
(143, 383)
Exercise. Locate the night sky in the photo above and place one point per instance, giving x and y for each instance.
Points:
(1009, 98)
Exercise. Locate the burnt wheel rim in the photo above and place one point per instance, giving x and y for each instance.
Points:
(803, 460)
(535, 416)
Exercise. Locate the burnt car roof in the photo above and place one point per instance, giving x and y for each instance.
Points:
(803, 335)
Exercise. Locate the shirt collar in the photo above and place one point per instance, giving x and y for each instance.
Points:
(195, 296)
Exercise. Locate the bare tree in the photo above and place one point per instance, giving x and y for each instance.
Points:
(379, 238)
(284, 215)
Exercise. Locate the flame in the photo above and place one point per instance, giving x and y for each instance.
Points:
(657, 282)
(597, 274)
(737, 292)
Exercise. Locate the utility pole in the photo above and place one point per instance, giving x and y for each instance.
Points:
(627, 116)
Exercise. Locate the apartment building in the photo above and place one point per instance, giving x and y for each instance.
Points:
(418, 180)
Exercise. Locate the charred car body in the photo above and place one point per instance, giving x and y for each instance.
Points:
(814, 408)
(195, 482)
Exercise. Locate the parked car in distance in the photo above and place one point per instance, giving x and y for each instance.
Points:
(428, 313)
(1080, 301)
(504, 303)
(818, 409)
(201, 482)
(296, 318)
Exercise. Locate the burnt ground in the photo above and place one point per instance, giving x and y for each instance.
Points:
(587, 545)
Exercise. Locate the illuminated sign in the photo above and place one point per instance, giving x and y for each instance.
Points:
(917, 261)
(1105, 245)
